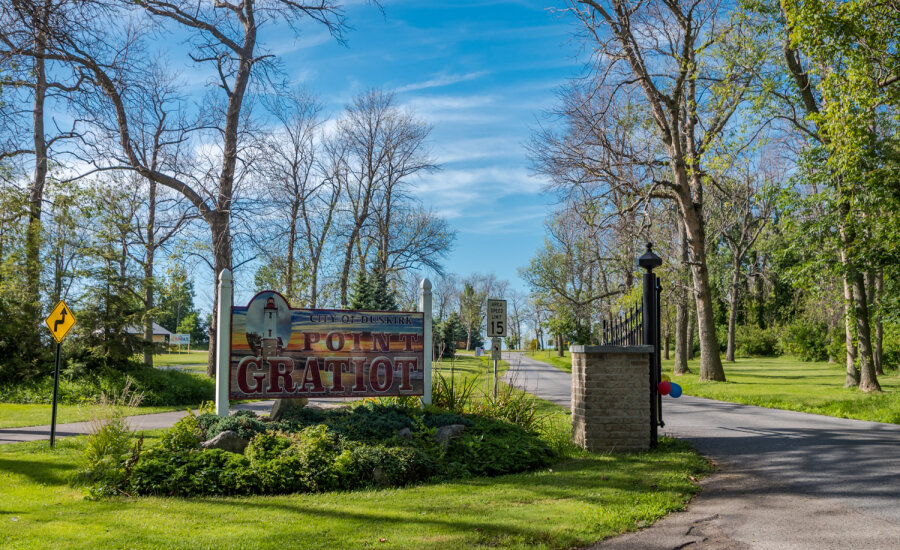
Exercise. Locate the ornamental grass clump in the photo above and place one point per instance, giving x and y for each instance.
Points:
(109, 444)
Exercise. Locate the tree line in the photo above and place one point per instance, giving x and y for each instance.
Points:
(118, 184)
(755, 144)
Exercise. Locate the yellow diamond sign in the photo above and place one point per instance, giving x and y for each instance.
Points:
(60, 321)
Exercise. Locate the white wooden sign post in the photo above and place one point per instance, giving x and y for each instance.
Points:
(496, 321)
(425, 308)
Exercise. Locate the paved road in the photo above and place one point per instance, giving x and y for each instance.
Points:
(786, 479)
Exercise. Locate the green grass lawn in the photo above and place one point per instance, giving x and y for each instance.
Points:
(788, 383)
(182, 358)
(16, 415)
(549, 357)
(576, 502)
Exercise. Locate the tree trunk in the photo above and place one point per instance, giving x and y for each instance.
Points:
(733, 303)
(691, 328)
(682, 342)
(875, 285)
(666, 338)
(148, 275)
(36, 193)
(868, 380)
(710, 360)
(559, 346)
(852, 378)
(292, 239)
(221, 238)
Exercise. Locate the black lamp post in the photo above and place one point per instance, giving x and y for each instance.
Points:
(648, 261)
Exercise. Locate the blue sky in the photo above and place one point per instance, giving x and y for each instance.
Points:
(481, 72)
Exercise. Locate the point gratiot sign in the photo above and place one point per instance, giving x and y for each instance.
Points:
(283, 353)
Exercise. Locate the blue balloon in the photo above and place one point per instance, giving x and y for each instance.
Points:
(675, 391)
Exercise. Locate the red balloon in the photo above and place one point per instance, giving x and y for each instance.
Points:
(664, 387)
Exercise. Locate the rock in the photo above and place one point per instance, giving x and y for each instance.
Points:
(405, 433)
(227, 441)
(282, 405)
(445, 433)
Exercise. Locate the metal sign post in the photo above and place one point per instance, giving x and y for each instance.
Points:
(60, 322)
(496, 319)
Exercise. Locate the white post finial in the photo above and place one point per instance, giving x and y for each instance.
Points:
(223, 342)
(428, 348)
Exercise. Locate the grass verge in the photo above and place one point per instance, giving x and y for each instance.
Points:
(17, 415)
(788, 383)
(181, 358)
(549, 356)
(578, 501)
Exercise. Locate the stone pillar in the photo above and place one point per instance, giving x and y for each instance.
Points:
(610, 405)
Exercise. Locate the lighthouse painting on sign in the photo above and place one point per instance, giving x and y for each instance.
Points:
(268, 327)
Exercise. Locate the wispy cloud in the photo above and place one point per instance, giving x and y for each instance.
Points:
(441, 81)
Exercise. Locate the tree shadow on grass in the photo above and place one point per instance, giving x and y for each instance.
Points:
(38, 472)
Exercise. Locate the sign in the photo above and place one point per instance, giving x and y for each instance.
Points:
(496, 318)
(60, 321)
(180, 339)
(495, 349)
(284, 353)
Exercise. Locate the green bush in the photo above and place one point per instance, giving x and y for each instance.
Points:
(185, 435)
(192, 473)
(806, 340)
(244, 423)
(494, 447)
(750, 340)
(370, 422)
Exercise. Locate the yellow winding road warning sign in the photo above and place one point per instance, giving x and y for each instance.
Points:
(60, 321)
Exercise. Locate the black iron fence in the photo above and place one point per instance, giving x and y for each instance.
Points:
(624, 329)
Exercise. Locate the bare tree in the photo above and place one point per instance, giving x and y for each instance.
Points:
(295, 185)
(224, 36)
(652, 64)
(746, 208)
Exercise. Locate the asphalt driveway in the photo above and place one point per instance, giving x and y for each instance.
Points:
(786, 479)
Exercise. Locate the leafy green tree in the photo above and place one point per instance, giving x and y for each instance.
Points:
(176, 311)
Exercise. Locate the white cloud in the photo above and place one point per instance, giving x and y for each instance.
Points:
(440, 81)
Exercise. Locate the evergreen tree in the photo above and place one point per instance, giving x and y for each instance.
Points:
(384, 299)
(362, 293)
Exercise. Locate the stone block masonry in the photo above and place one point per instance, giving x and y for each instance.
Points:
(611, 397)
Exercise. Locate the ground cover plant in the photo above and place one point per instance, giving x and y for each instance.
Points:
(577, 500)
(793, 384)
(311, 449)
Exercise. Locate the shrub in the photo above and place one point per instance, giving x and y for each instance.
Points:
(244, 423)
(192, 473)
(512, 405)
(185, 435)
(315, 450)
(160, 387)
(370, 422)
(751, 340)
(109, 441)
(806, 340)
(493, 447)
(452, 394)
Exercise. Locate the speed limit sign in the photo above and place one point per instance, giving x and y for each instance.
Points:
(496, 318)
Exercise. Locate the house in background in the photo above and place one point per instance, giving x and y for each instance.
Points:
(160, 335)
